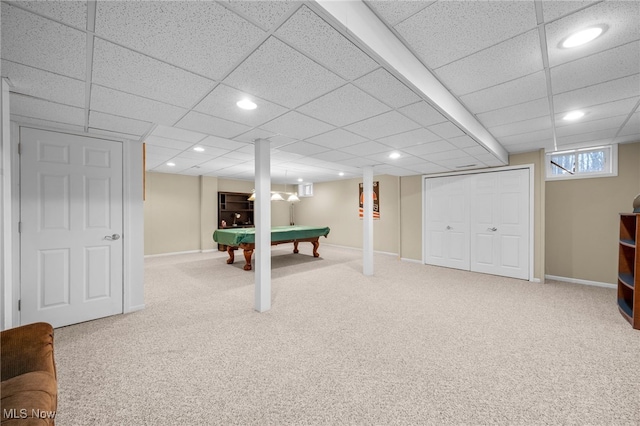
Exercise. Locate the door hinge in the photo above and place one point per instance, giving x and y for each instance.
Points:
(20, 304)
(19, 227)
(19, 148)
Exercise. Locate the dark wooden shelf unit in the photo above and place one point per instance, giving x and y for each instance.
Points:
(629, 268)
(230, 204)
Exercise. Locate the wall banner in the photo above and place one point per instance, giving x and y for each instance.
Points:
(376, 200)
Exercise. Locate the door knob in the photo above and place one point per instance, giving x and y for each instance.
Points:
(448, 227)
(494, 229)
(112, 237)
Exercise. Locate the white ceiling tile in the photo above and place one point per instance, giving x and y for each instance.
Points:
(332, 156)
(591, 126)
(600, 111)
(429, 148)
(36, 108)
(203, 37)
(423, 113)
(543, 137)
(464, 141)
(265, 13)
(514, 113)
(161, 151)
(221, 163)
(153, 140)
(428, 168)
(237, 155)
(408, 160)
(253, 135)
(446, 130)
(601, 136)
(621, 17)
(464, 161)
(31, 40)
(386, 124)
(304, 148)
(131, 72)
(632, 127)
(280, 140)
(611, 64)
(203, 123)
(359, 162)
(178, 134)
(494, 65)
(42, 84)
(119, 103)
(396, 11)
(447, 31)
(384, 86)
(369, 147)
(343, 106)
(337, 138)
(446, 155)
(100, 120)
(476, 150)
(554, 9)
(389, 169)
(317, 39)
(221, 143)
(413, 137)
(282, 75)
(525, 126)
(221, 102)
(614, 90)
(73, 13)
(527, 88)
(296, 125)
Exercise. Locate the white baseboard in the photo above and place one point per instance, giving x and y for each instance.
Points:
(359, 249)
(579, 281)
(172, 254)
(404, 259)
(134, 309)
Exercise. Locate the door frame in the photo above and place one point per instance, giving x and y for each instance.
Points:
(133, 220)
(529, 167)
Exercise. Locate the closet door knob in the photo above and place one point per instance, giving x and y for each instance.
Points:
(448, 227)
(494, 229)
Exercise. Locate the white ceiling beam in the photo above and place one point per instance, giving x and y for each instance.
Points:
(358, 20)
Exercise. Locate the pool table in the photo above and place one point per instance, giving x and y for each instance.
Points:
(245, 238)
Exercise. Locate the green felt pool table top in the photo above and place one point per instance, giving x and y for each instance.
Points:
(236, 236)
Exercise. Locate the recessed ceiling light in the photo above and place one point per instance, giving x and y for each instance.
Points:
(171, 164)
(299, 179)
(394, 155)
(341, 174)
(246, 104)
(198, 149)
(573, 115)
(582, 37)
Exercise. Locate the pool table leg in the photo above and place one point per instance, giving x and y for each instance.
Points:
(316, 244)
(231, 255)
(247, 258)
(295, 247)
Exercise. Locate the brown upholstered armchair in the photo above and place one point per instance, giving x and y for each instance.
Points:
(28, 372)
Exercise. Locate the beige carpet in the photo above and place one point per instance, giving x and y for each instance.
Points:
(411, 345)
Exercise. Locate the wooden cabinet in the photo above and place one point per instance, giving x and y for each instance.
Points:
(629, 268)
(234, 211)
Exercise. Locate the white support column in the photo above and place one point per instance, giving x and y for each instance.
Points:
(6, 247)
(262, 219)
(367, 221)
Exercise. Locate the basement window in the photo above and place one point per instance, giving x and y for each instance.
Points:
(582, 163)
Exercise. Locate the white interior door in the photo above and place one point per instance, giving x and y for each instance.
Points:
(500, 223)
(447, 222)
(71, 217)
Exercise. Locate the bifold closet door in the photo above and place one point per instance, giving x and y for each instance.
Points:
(500, 223)
(447, 222)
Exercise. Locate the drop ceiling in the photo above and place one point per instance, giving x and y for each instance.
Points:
(450, 85)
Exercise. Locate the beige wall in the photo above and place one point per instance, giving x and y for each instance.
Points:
(335, 204)
(181, 212)
(411, 217)
(537, 159)
(582, 221)
(171, 213)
